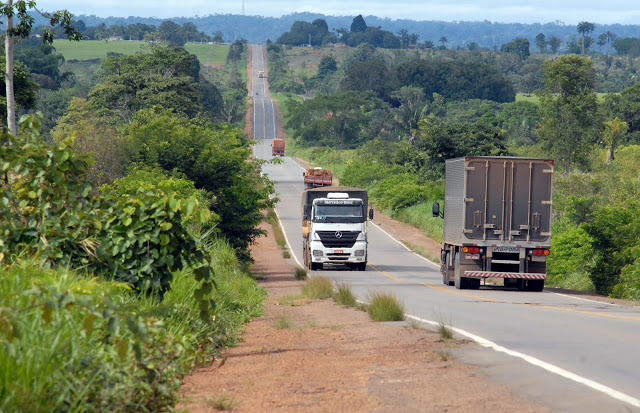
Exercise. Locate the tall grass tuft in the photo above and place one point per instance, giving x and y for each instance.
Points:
(384, 306)
(343, 295)
(300, 274)
(318, 287)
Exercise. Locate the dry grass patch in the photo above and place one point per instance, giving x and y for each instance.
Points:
(319, 287)
(343, 294)
(384, 306)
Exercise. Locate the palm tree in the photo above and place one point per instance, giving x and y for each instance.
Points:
(583, 29)
(443, 40)
(554, 43)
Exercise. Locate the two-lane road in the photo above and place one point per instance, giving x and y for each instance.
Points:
(564, 352)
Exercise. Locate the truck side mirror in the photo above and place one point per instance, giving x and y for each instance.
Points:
(435, 209)
(371, 213)
(303, 174)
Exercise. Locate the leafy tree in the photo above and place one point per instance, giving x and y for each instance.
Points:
(412, 103)
(584, 28)
(612, 135)
(520, 121)
(519, 46)
(554, 44)
(93, 136)
(44, 64)
(24, 89)
(445, 140)
(455, 80)
(303, 33)
(358, 24)
(569, 109)
(626, 106)
(327, 65)
(336, 120)
(367, 75)
(22, 29)
(216, 158)
(627, 46)
(165, 76)
(541, 42)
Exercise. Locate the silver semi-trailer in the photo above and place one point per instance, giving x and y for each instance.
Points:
(497, 221)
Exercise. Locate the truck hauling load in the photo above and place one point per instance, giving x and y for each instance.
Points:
(334, 227)
(277, 147)
(316, 177)
(497, 221)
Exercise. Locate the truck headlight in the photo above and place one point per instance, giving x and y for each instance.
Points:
(358, 253)
(317, 253)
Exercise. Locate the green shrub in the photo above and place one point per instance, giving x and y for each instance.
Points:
(318, 287)
(401, 191)
(385, 306)
(343, 295)
(282, 323)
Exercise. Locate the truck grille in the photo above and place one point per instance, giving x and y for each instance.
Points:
(338, 239)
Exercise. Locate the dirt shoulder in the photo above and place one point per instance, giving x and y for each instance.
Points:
(333, 358)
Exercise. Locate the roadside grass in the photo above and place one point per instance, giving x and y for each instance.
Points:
(384, 306)
(286, 254)
(221, 403)
(300, 274)
(446, 334)
(444, 355)
(64, 335)
(292, 300)
(282, 323)
(272, 219)
(420, 216)
(415, 324)
(420, 250)
(318, 287)
(343, 294)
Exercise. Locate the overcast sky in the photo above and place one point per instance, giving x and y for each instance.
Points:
(523, 11)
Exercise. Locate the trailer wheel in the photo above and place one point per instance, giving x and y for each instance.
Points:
(473, 283)
(535, 285)
(460, 281)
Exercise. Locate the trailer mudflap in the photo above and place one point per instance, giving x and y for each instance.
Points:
(493, 274)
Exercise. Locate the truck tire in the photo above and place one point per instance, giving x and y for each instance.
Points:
(361, 266)
(315, 266)
(460, 281)
(535, 285)
(473, 283)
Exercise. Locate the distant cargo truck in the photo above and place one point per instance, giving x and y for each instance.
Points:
(497, 221)
(277, 147)
(317, 177)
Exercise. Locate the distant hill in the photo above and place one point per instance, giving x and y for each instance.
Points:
(257, 29)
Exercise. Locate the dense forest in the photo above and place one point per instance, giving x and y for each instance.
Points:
(486, 34)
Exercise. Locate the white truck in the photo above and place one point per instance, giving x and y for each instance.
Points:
(497, 221)
(334, 227)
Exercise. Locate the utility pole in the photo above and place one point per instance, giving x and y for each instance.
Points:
(243, 7)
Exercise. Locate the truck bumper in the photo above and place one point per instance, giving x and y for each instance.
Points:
(356, 254)
(493, 274)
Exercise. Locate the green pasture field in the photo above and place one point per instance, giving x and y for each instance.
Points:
(98, 49)
(524, 97)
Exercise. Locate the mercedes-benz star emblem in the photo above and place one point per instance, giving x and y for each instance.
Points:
(338, 234)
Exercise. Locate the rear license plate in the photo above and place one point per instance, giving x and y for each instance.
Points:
(506, 249)
(472, 256)
(338, 251)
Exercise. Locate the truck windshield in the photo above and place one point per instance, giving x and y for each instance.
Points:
(338, 213)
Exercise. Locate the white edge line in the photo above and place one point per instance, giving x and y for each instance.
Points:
(542, 364)
(287, 239)
(585, 299)
(407, 248)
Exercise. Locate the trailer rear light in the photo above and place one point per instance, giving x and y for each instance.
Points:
(472, 250)
(540, 252)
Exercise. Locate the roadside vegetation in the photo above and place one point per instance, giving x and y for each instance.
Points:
(126, 212)
(385, 306)
(318, 287)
